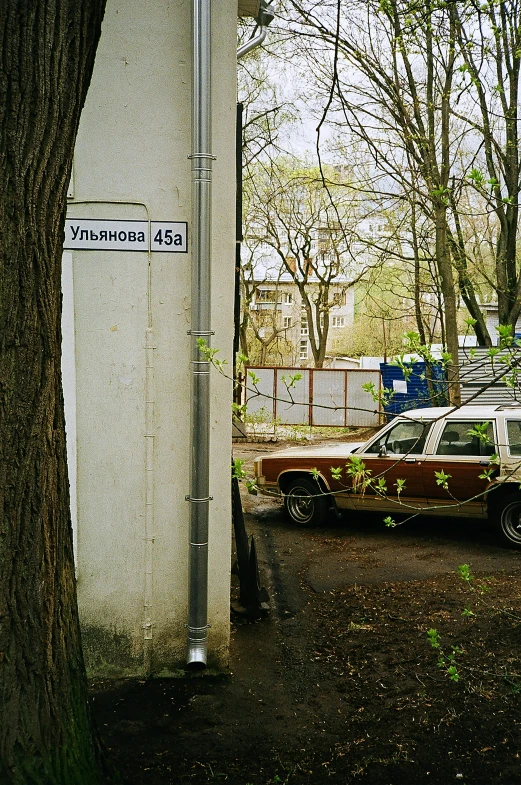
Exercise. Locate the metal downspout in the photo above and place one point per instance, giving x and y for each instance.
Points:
(252, 43)
(199, 498)
(264, 18)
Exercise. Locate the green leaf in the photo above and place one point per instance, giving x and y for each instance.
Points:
(434, 638)
(237, 470)
(442, 479)
(453, 673)
(381, 487)
(400, 485)
(505, 333)
(465, 573)
(476, 176)
(239, 409)
(479, 431)
(336, 473)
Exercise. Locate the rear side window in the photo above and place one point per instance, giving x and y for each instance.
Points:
(461, 438)
(514, 436)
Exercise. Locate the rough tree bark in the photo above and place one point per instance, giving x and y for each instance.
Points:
(46, 736)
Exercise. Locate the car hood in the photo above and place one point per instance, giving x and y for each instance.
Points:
(332, 450)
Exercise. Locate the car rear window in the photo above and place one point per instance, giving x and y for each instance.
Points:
(461, 438)
(514, 436)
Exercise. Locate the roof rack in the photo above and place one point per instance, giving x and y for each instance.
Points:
(510, 405)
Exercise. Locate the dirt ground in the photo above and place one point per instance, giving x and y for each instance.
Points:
(339, 683)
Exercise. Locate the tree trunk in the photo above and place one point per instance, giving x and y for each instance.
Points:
(449, 304)
(46, 734)
(468, 294)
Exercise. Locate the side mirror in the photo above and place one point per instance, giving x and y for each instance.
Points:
(382, 452)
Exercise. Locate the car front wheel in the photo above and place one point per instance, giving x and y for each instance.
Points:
(305, 502)
(510, 521)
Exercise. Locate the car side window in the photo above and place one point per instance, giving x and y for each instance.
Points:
(405, 438)
(514, 436)
(458, 439)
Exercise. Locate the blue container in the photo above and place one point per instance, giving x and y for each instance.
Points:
(416, 392)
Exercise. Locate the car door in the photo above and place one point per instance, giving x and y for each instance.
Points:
(395, 455)
(451, 474)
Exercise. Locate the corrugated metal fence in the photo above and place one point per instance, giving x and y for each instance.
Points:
(323, 396)
(479, 370)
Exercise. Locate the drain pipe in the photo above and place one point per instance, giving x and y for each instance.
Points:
(266, 15)
(201, 157)
(199, 497)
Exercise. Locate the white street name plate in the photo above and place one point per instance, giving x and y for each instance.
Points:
(92, 235)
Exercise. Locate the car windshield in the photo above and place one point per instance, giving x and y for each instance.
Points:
(406, 437)
(467, 437)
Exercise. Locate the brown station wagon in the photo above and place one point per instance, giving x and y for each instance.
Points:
(441, 461)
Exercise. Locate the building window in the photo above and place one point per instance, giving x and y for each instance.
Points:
(338, 321)
(339, 298)
(286, 322)
(266, 296)
(288, 298)
(304, 349)
(304, 329)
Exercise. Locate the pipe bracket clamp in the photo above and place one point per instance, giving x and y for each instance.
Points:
(200, 332)
(202, 155)
(188, 498)
(197, 629)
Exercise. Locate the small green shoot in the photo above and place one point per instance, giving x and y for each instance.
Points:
(442, 479)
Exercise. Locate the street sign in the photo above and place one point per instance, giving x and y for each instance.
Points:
(87, 234)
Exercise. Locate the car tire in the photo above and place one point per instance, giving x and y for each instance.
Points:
(510, 520)
(304, 503)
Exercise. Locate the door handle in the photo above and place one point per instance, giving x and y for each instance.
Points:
(409, 460)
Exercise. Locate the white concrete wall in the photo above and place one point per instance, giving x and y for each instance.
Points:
(133, 421)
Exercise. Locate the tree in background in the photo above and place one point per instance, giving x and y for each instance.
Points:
(489, 43)
(263, 332)
(46, 733)
(311, 240)
(384, 313)
(430, 91)
(267, 117)
(398, 104)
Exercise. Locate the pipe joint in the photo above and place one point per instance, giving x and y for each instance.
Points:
(208, 156)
